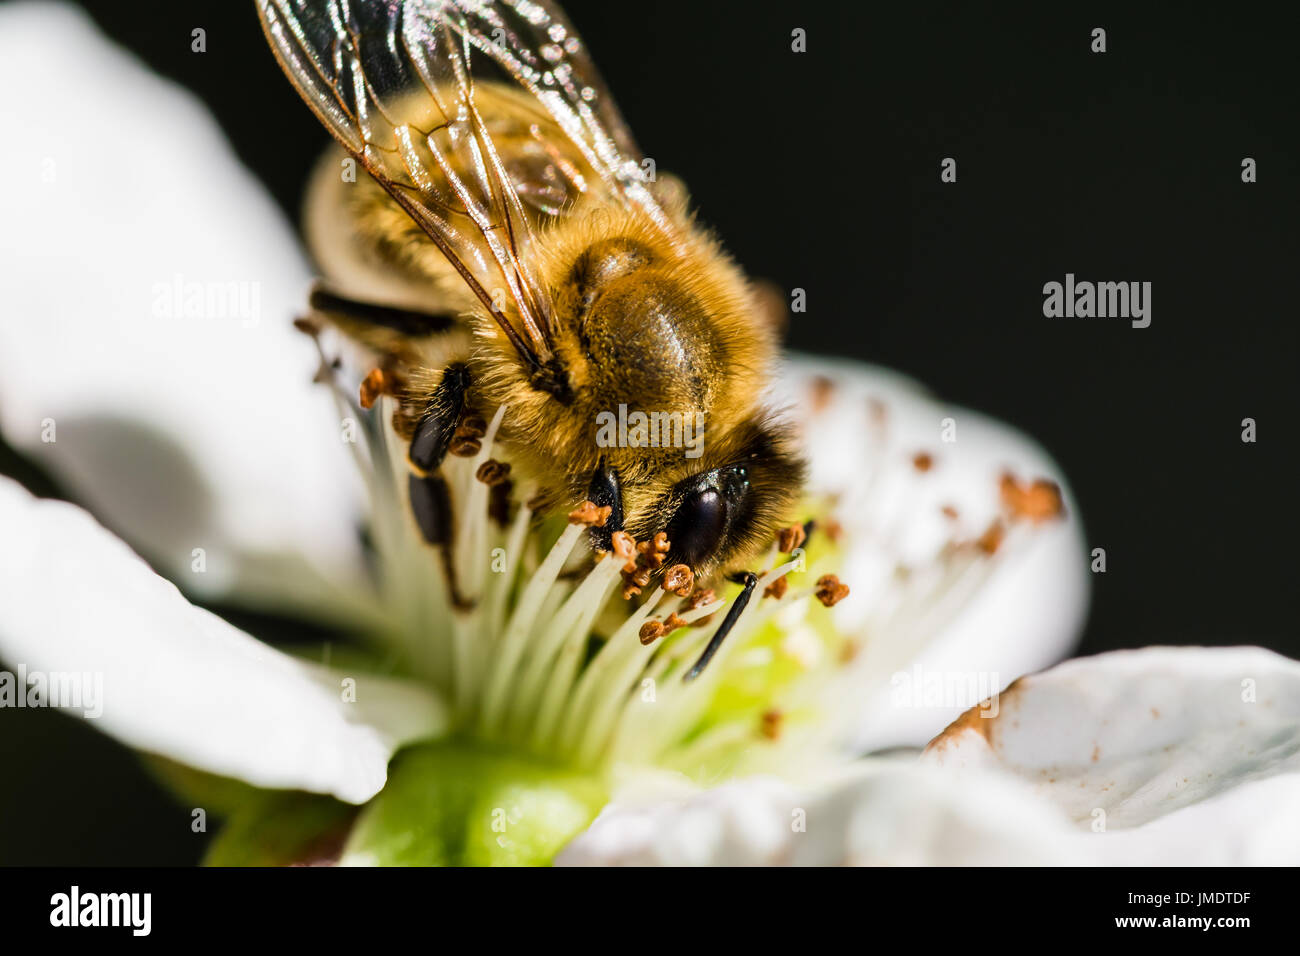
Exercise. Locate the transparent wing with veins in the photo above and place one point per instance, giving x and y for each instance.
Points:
(394, 82)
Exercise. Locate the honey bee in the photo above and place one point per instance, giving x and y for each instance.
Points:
(509, 248)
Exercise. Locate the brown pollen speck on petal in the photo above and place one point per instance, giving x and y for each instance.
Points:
(822, 389)
(972, 720)
(976, 721)
(1035, 501)
(770, 723)
(992, 538)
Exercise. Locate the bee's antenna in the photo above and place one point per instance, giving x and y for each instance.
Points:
(750, 581)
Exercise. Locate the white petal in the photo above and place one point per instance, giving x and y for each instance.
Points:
(1025, 616)
(879, 813)
(181, 426)
(1205, 742)
(178, 681)
(1254, 824)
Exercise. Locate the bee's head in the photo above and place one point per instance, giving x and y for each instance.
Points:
(719, 510)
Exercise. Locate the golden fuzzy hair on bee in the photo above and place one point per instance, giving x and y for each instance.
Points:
(638, 319)
(647, 315)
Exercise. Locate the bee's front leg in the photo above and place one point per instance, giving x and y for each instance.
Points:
(433, 417)
(362, 319)
(444, 426)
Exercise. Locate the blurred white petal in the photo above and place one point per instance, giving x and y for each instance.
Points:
(879, 813)
(182, 423)
(1025, 616)
(179, 681)
(1191, 744)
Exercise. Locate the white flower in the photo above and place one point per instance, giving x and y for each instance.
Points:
(1162, 756)
(198, 438)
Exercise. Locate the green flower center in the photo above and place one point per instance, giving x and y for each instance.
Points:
(462, 803)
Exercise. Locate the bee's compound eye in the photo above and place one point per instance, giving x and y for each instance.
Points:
(696, 529)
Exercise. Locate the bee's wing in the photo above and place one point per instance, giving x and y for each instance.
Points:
(394, 82)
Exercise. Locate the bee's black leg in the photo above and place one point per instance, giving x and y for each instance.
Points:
(426, 487)
(405, 321)
(434, 432)
(605, 492)
(378, 326)
(431, 505)
(750, 581)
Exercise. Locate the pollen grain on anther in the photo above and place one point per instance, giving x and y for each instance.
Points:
(701, 598)
(790, 538)
(493, 472)
(588, 514)
(830, 590)
(651, 631)
(466, 442)
(654, 551)
(776, 589)
(624, 549)
(679, 579)
(373, 385)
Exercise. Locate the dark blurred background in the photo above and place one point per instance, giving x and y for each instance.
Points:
(820, 170)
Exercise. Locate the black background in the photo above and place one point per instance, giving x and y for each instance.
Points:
(820, 170)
